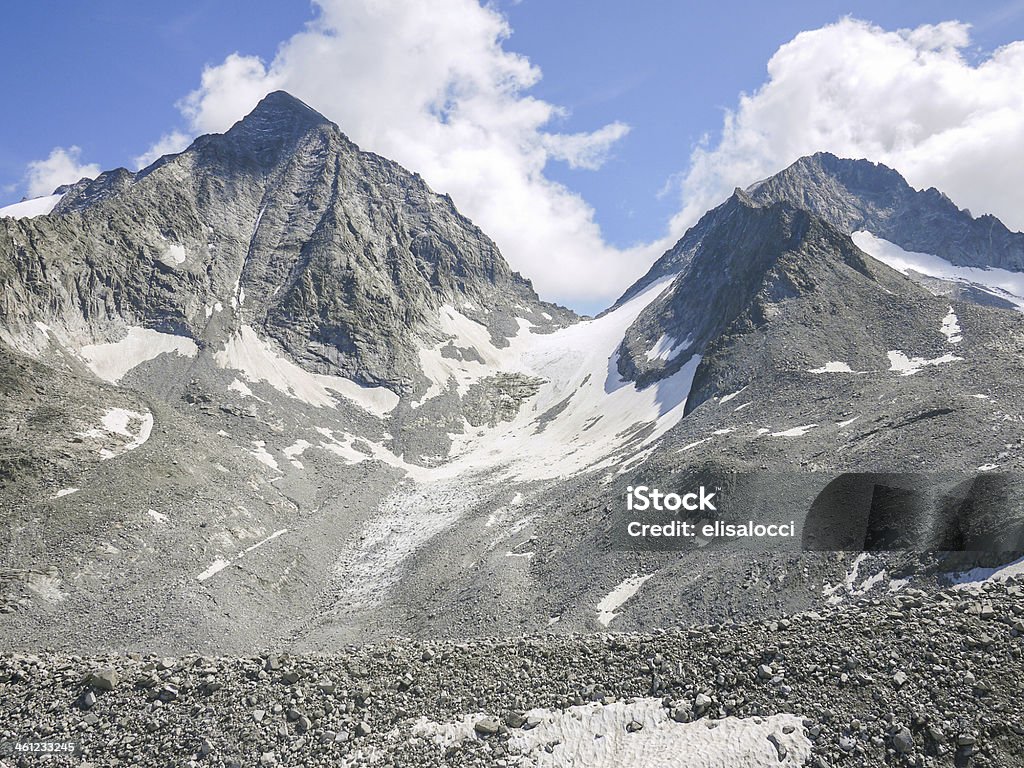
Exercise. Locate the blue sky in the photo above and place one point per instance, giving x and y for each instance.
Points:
(107, 76)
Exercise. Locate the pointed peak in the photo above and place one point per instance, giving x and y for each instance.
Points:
(274, 127)
(278, 104)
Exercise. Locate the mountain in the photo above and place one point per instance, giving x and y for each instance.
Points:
(341, 257)
(273, 390)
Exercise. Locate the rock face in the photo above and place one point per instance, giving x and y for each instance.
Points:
(342, 257)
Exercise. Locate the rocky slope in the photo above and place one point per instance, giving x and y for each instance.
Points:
(920, 679)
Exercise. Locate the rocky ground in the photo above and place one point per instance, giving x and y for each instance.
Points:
(915, 679)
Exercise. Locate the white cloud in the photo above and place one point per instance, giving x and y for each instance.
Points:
(431, 86)
(909, 99)
(585, 150)
(61, 167)
(168, 144)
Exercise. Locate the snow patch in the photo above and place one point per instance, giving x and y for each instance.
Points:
(257, 361)
(976, 577)
(666, 348)
(220, 563)
(1001, 283)
(606, 609)
(834, 367)
(908, 366)
(795, 431)
(729, 397)
(159, 517)
(112, 361)
(951, 328)
(240, 388)
(216, 567)
(262, 454)
(27, 209)
(118, 423)
(174, 255)
(296, 449)
(64, 492)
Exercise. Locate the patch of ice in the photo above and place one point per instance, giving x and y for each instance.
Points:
(795, 431)
(848, 422)
(908, 366)
(27, 209)
(258, 361)
(64, 492)
(112, 361)
(606, 609)
(596, 735)
(988, 467)
(741, 407)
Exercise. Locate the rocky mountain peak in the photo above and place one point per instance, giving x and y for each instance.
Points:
(271, 132)
(748, 255)
(858, 195)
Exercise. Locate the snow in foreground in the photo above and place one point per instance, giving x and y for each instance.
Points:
(976, 577)
(596, 736)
